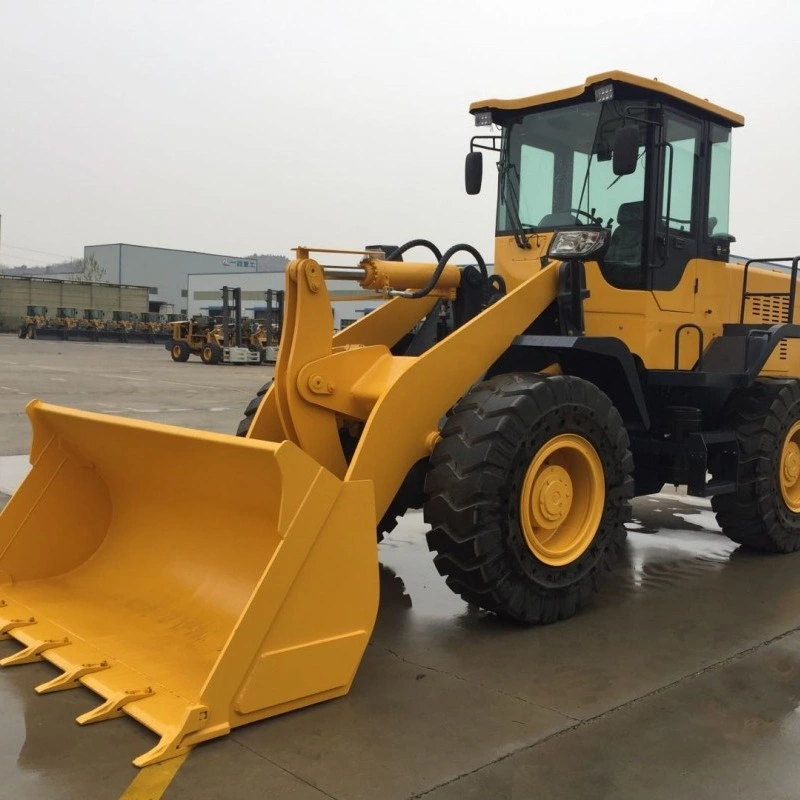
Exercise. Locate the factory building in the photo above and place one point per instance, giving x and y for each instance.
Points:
(204, 295)
(163, 270)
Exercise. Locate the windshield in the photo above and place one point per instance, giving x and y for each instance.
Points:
(556, 170)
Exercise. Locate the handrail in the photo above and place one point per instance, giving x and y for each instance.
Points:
(700, 347)
(790, 294)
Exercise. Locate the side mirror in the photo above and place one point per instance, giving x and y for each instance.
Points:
(473, 172)
(626, 150)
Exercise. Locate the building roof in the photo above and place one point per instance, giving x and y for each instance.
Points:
(56, 279)
(167, 249)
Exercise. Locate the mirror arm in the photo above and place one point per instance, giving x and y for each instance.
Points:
(474, 143)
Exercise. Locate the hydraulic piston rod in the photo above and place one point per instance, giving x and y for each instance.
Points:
(379, 275)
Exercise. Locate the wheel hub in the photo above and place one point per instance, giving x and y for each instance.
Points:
(791, 463)
(789, 469)
(551, 497)
(562, 499)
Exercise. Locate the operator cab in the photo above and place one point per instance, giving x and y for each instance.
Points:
(661, 202)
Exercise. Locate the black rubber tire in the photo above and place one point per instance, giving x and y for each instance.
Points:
(180, 351)
(756, 515)
(249, 412)
(474, 482)
(210, 353)
(32, 332)
(23, 332)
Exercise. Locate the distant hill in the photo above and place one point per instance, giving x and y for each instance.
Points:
(265, 263)
(38, 272)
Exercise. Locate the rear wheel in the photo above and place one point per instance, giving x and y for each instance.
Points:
(180, 351)
(528, 491)
(764, 511)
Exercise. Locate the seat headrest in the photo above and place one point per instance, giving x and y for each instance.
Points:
(631, 213)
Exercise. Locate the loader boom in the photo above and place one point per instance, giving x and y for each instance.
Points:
(318, 382)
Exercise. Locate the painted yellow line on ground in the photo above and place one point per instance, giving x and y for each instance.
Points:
(151, 782)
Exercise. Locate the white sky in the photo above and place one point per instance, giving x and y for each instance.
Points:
(257, 125)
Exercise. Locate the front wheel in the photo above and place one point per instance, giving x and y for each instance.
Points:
(528, 493)
(23, 331)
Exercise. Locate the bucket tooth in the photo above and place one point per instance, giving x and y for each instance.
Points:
(33, 652)
(71, 678)
(113, 707)
(7, 625)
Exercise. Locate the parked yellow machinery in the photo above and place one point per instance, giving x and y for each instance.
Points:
(148, 327)
(614, 350)
(35, 319)
(189, 337)
(62, 325)
(121, 324)
(91, 323)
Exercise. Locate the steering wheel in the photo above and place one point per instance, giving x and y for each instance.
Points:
(588, 215)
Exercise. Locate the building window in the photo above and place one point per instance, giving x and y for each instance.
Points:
(346, 322)
(184, 292)
(153, 290)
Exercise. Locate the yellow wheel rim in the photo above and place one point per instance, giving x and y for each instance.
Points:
(789, 469)
(562, 499)
(176, 350)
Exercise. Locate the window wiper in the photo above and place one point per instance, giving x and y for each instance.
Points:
(511, 199)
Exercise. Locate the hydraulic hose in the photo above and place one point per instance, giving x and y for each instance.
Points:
(398, 251)
(437, 273)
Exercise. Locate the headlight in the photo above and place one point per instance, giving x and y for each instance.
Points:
(577, 244)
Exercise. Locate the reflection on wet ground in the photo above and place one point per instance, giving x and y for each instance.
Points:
(686, 659)
(670, 511)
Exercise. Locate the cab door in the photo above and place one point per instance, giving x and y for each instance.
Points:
(677, 229)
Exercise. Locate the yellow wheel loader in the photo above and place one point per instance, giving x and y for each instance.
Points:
(199, 336)
(60, 326)
(91, 323)
(34, 320)
(614, 350)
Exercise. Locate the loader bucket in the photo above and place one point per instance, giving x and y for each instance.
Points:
(191, 606)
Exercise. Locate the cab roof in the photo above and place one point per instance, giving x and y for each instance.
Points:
(622, 80)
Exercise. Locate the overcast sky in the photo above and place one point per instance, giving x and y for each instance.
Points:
(256, 125)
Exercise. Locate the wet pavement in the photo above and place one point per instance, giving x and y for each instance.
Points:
(681, 679)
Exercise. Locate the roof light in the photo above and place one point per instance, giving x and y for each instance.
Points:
(483, 119)
(604, 92)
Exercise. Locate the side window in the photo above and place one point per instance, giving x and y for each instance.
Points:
(682, 138)
(720, 186)
(537, 168)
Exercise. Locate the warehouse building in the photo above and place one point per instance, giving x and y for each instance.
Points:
(17, 293)
(163, 270)
(204, 295)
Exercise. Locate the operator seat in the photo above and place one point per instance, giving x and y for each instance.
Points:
(623, 260)
(626, 241)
